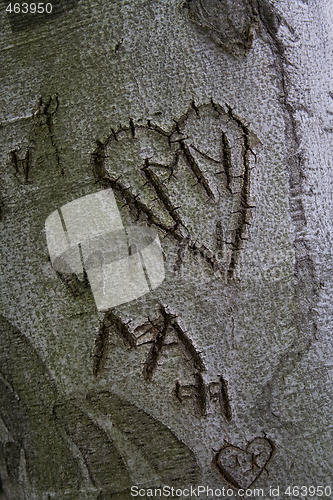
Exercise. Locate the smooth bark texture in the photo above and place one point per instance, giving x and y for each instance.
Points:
(211, 122)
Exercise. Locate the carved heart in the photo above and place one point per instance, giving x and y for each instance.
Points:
(241, 468)
(193, 186)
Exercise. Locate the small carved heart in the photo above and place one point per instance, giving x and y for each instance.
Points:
(241, 468)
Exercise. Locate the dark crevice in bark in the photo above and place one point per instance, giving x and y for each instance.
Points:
(196, 170)
(23, 165)
(118, 45)
(75, 286)
(205, 155)
(243, 216)
(159, 335)
(132, 127)
(100, 349)
(266, 14)
(226, 160)
(219, 237)
(114, 322)
(47, 109)
(200, 394)
(181, 252)
(225, 400)
(161, 192)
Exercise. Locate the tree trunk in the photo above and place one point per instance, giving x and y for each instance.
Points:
(211, 122)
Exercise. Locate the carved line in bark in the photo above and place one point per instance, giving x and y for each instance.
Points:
(73, 284)
(169, 320)
(100, 348)
(110, 322)
(225, 400)
(47, 108)
(244, 195)
(158, 338)
(196, 169)
(161, 192)
(21, 166)
(226, 160)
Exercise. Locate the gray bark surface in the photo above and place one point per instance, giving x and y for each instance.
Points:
(211, 122)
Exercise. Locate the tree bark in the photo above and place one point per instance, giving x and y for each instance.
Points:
(211, 122)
